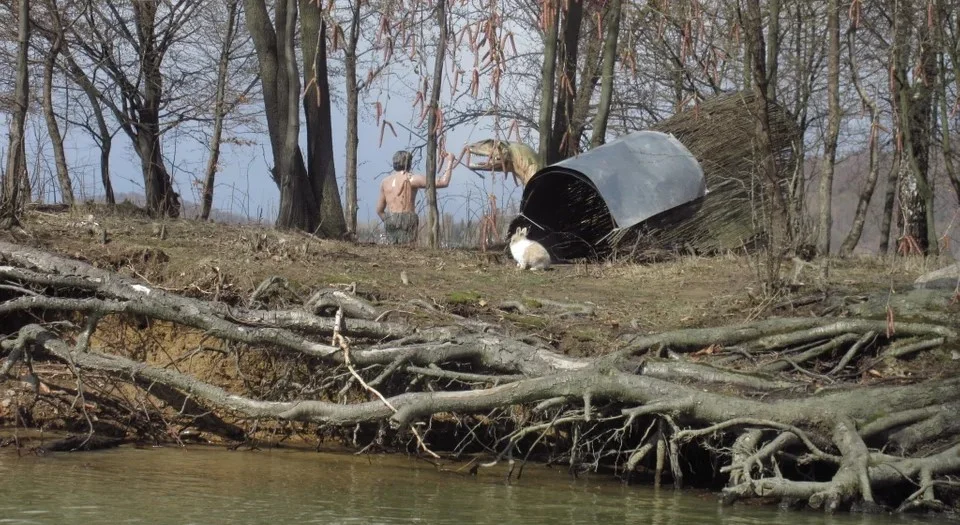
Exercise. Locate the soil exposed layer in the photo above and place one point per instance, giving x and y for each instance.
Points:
(837, 391)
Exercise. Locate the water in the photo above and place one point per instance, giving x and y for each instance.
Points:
(206, 486)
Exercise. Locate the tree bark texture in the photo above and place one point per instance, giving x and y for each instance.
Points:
(913, 106)
(53, 128)
(280, 82)
(16, 184)
(834, 116)
(773, 47)
(321, 169)
(162, 199)
(612, 24)
(433, 125)
(873, 151)
(775, 210)
(548, 73)
(562, 142)
(219, 110)
(353, 96)
(948, 45)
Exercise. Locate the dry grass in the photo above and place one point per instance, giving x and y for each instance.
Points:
(721, 134)
(227, 262)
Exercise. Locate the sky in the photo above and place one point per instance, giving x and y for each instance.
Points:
(244, 186)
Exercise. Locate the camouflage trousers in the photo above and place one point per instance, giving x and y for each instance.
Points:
(401, 227)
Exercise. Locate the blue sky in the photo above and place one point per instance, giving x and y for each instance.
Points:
(243, 185)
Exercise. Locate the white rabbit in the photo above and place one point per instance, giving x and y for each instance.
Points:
(527, 253)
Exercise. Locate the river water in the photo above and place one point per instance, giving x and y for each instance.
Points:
(200, 485)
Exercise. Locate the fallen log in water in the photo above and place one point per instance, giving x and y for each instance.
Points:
(778, 407)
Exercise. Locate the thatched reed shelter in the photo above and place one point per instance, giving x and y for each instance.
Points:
(625, 199)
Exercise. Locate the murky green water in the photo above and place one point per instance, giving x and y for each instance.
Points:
(203, 485)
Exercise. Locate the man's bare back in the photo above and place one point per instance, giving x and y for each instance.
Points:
(398, 197)
(398, 192)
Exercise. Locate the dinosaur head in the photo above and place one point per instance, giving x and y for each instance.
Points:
(497, 153)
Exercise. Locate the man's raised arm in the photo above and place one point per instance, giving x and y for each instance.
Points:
(420, 181)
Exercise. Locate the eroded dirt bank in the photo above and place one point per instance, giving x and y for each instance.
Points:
(835, 393)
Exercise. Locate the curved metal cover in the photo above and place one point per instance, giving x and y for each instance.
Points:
(638, 175)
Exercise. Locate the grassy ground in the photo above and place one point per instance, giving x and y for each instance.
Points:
(227, 262)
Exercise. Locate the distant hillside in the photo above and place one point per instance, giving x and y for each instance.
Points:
(849, 179)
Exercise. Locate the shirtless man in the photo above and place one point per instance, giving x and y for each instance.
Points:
(398, 196)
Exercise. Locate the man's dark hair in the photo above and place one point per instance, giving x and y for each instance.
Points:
(402, 160)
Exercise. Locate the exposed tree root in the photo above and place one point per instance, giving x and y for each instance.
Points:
(751, 396)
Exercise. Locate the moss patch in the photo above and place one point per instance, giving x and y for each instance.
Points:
(463, 298)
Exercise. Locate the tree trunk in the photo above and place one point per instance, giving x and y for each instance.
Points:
(273, 77)
(105, 143)
(353, 96)
(104, 137)
(889, 205)
(773, 47)
(946, 49)
(162, 200)
(280, 81)
(321, 169)
(298, 203)
(590, 76)
(833, 128)
(219, 111)
(15, 184)
(863, 202)
(860, 215)
(913, 107)
(548, 75)
(53, 128)
(563, 143)
(612, 24)
(776, 210)
(946, 138)
(805, 53)
(433, 119)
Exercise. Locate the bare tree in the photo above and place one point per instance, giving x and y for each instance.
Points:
(775, 209)
(562, 142)
(53, 128)
(274, 41)
(353, 95)
(913, 104)
(773, 47)
(550, 20)
(612, 25)
(101, 134)
(302, 191)
(232, 15)
(948, 52)
(805, 41)
(15, 180)
(433, 123)
(873, 146)
(321, 170)
(833, 128)
(145, 93)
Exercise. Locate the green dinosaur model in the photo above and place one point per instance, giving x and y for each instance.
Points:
(515, 158)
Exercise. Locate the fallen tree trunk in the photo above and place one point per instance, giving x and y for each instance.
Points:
(778, 404)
